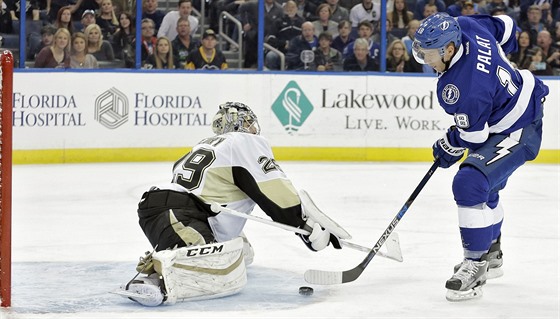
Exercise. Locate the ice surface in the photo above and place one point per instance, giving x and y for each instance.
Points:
(76, 237)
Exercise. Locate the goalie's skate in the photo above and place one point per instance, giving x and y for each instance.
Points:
(145, 291)
(466, 283)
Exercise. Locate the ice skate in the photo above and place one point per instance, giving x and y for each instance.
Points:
(467, 281)
(494, 259)
(144, 290)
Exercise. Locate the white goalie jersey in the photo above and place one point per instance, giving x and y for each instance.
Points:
(237, 170)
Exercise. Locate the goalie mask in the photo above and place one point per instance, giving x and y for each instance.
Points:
(235, 117)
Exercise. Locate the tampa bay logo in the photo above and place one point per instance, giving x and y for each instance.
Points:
(292, 107)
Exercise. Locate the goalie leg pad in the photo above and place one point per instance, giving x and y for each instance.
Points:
(202, 272)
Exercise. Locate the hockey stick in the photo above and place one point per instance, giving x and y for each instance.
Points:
(393, 247)
(323, 277)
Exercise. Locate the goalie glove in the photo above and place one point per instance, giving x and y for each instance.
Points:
(319, 238)
(445, 152)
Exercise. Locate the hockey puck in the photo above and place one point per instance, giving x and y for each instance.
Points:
(305, 291)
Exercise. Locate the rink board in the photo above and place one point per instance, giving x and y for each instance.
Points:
(158, 116)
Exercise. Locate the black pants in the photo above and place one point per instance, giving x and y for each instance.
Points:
(164, 215)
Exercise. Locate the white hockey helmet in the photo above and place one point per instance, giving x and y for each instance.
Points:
(235, 117)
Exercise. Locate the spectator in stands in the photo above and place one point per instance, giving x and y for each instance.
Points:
(349, 4)
(207, 57)
(455, 9)
(420, 9)
(550, 53)
(429, 9)
(272, 12)
(168, 26)
(47, 38)
(249, 18)
(339, 12)
(31, 12)
(344, 36)
(288, 27)
(56, 55)
(324, 23)
(399, 61)
(389, 37)
(495, 4)
(5, 20)
(79, 58)
(366, 11)
(99, 48)
(55, 7)
(183, 43)
(365, 31)
(327, 58)
(470, 9)
(85, 5)
(148, 38)
(306, 9)
(307, 41)
(107, 20)
(88, 17)
(150, 10)
(533, 25)
(536, 64)
(412, 26)
(556, 34)
(360, 60)
(64, 19)
(163, 57)
(124, 40)
(520, 57)
(400, 16)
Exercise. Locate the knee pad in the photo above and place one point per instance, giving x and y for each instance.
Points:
(470, 187)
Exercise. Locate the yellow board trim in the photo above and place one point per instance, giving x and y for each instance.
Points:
(339, 154)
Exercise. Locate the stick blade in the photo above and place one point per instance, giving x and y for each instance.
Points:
(323, 277)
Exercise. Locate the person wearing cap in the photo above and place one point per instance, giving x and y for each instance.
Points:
(496, 4)
(88, 17)
(461, 8)
(207, 57)
(168, 26)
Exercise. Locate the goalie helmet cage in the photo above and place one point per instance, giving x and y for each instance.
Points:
(6, 87)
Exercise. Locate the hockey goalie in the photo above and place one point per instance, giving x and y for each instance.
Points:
(200, 254)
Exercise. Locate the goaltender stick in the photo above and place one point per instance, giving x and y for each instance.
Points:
(498, 114)
(200, 254)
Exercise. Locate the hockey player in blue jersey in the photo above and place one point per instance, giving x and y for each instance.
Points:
(498, 114)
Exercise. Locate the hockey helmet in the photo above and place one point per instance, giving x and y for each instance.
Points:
(235, 117)
(434, 34)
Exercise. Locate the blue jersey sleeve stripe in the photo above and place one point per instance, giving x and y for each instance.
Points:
(521, 105)
(475, 137)
(509, 28)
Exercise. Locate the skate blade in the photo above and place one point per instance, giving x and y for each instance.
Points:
(494, 273)
(455, 295)
(143, 299)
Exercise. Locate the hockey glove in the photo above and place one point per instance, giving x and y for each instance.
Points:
(447, 153)
(319, 237)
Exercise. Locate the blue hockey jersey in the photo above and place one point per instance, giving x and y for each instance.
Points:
(481, 89)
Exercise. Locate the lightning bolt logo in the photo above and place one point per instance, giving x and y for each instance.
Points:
(503, 149)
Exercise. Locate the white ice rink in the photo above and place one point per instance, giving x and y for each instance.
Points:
(76, 237)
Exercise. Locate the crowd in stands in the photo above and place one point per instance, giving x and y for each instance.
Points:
(313, 35)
